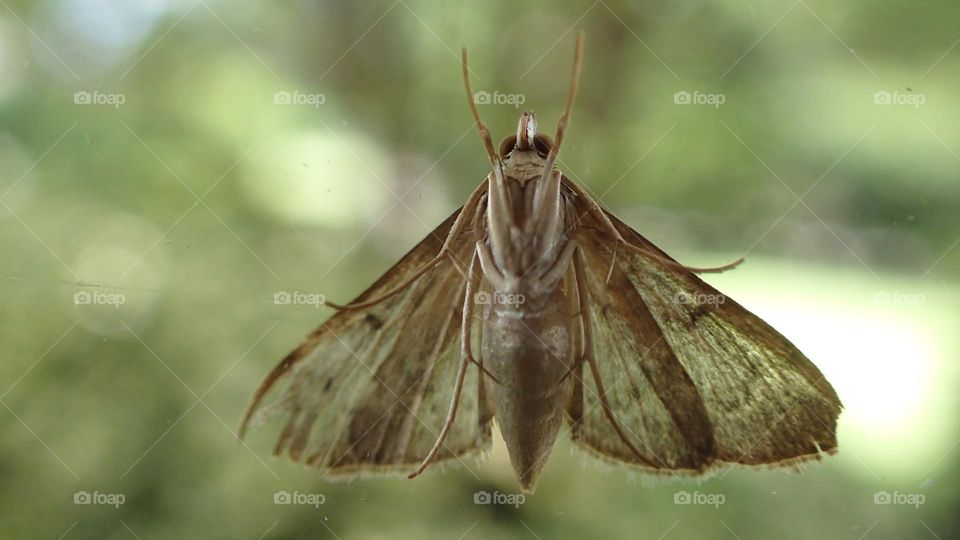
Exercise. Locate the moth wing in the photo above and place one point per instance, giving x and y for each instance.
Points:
(694, 378)
(368, 391)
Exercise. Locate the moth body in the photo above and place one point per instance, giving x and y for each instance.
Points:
(527, 331)
(529, 352)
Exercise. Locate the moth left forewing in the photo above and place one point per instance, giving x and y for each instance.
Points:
(368, 392)
(765, 402)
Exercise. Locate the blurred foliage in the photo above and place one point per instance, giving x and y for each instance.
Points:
(200, 196)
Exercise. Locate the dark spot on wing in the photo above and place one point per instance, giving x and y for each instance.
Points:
(373, 321)
(698, 312)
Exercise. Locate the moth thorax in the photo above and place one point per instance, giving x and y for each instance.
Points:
(526, 131)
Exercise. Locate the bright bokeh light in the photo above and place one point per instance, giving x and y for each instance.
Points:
(878, 341)
(11, 59)
(90, 36)
(318, 178)
(118, 272)
(17, 184)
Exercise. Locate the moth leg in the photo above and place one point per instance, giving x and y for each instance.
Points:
(675, 264)
(489, 267)
(547, 205)
(716, 269)
(477, 363)
(483, 369)
(392, 292)
(613, 260)
(480, 254)
(445, 253)
(576, 342)
(575, 404)
(576, 365)
(473, 278)
(597, 211)
(694, 269)
(588, 354)
(559, 268)
(612, 230)
(499, 215)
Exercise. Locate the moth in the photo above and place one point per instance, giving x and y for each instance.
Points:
(534, 306)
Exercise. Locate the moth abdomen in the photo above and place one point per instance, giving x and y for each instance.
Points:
(530, 356)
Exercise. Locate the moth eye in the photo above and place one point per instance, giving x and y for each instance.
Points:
(507, 145)
(542, 144)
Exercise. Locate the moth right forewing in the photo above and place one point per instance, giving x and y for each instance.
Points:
(649, 393)
(767, 403)
(737, 314)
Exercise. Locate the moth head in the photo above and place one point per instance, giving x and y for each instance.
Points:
(527, 139)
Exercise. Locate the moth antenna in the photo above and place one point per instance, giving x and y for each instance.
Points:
(542, 194)
(498, 191)
(484, 132)
(568, 105)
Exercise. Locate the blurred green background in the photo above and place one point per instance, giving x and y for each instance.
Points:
(167, 166)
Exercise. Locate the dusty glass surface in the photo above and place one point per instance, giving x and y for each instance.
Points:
(181, 183)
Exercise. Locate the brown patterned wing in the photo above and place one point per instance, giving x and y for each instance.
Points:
(695, 379)
(368, 391)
